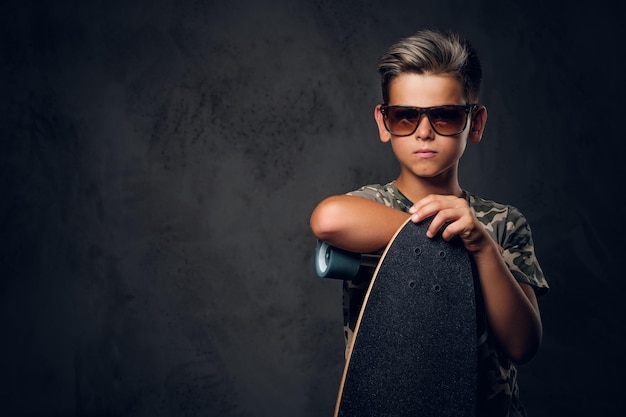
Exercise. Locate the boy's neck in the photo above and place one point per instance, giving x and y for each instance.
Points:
(415, 188)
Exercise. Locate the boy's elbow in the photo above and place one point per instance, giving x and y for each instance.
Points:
(325, 219)
(526, 351)
(524, 356)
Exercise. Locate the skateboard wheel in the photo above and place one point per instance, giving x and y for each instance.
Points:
(332, 262)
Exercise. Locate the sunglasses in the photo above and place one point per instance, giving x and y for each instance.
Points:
(447, 120)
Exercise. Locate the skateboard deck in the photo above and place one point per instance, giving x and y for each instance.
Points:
(413, 352)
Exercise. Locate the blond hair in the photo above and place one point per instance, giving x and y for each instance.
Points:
(433, 52)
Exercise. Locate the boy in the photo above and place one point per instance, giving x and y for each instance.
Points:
(430, 110)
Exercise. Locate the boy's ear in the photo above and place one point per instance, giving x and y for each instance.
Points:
(477, 126)
(385, 136)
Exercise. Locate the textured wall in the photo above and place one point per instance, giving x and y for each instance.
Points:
(160, 160)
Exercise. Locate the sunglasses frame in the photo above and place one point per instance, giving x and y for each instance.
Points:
(468, 108)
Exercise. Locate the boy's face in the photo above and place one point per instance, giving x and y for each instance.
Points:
(425, 153)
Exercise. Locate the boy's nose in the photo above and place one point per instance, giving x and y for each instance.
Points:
(424, 129)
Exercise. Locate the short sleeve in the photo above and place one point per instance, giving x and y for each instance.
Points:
(519, 252)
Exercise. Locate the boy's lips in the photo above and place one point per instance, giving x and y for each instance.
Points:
(425, 153)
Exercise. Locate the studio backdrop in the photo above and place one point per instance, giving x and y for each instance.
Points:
(159, 161)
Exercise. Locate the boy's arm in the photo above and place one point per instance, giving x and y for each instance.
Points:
(512, 307)
(355, 223)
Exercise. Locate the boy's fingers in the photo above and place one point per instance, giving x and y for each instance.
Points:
(443, 218)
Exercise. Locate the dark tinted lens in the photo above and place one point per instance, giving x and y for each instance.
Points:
(402, 121)
(448, 120)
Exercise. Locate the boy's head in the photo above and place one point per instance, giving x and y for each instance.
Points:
(432, 52)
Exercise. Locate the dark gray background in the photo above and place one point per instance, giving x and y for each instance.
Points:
(160, 159)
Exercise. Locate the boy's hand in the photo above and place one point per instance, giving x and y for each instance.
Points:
(456, 213)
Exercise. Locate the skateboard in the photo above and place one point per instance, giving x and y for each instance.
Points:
(413, 352)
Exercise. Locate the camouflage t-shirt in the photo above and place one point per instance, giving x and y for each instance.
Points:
(498, 392)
